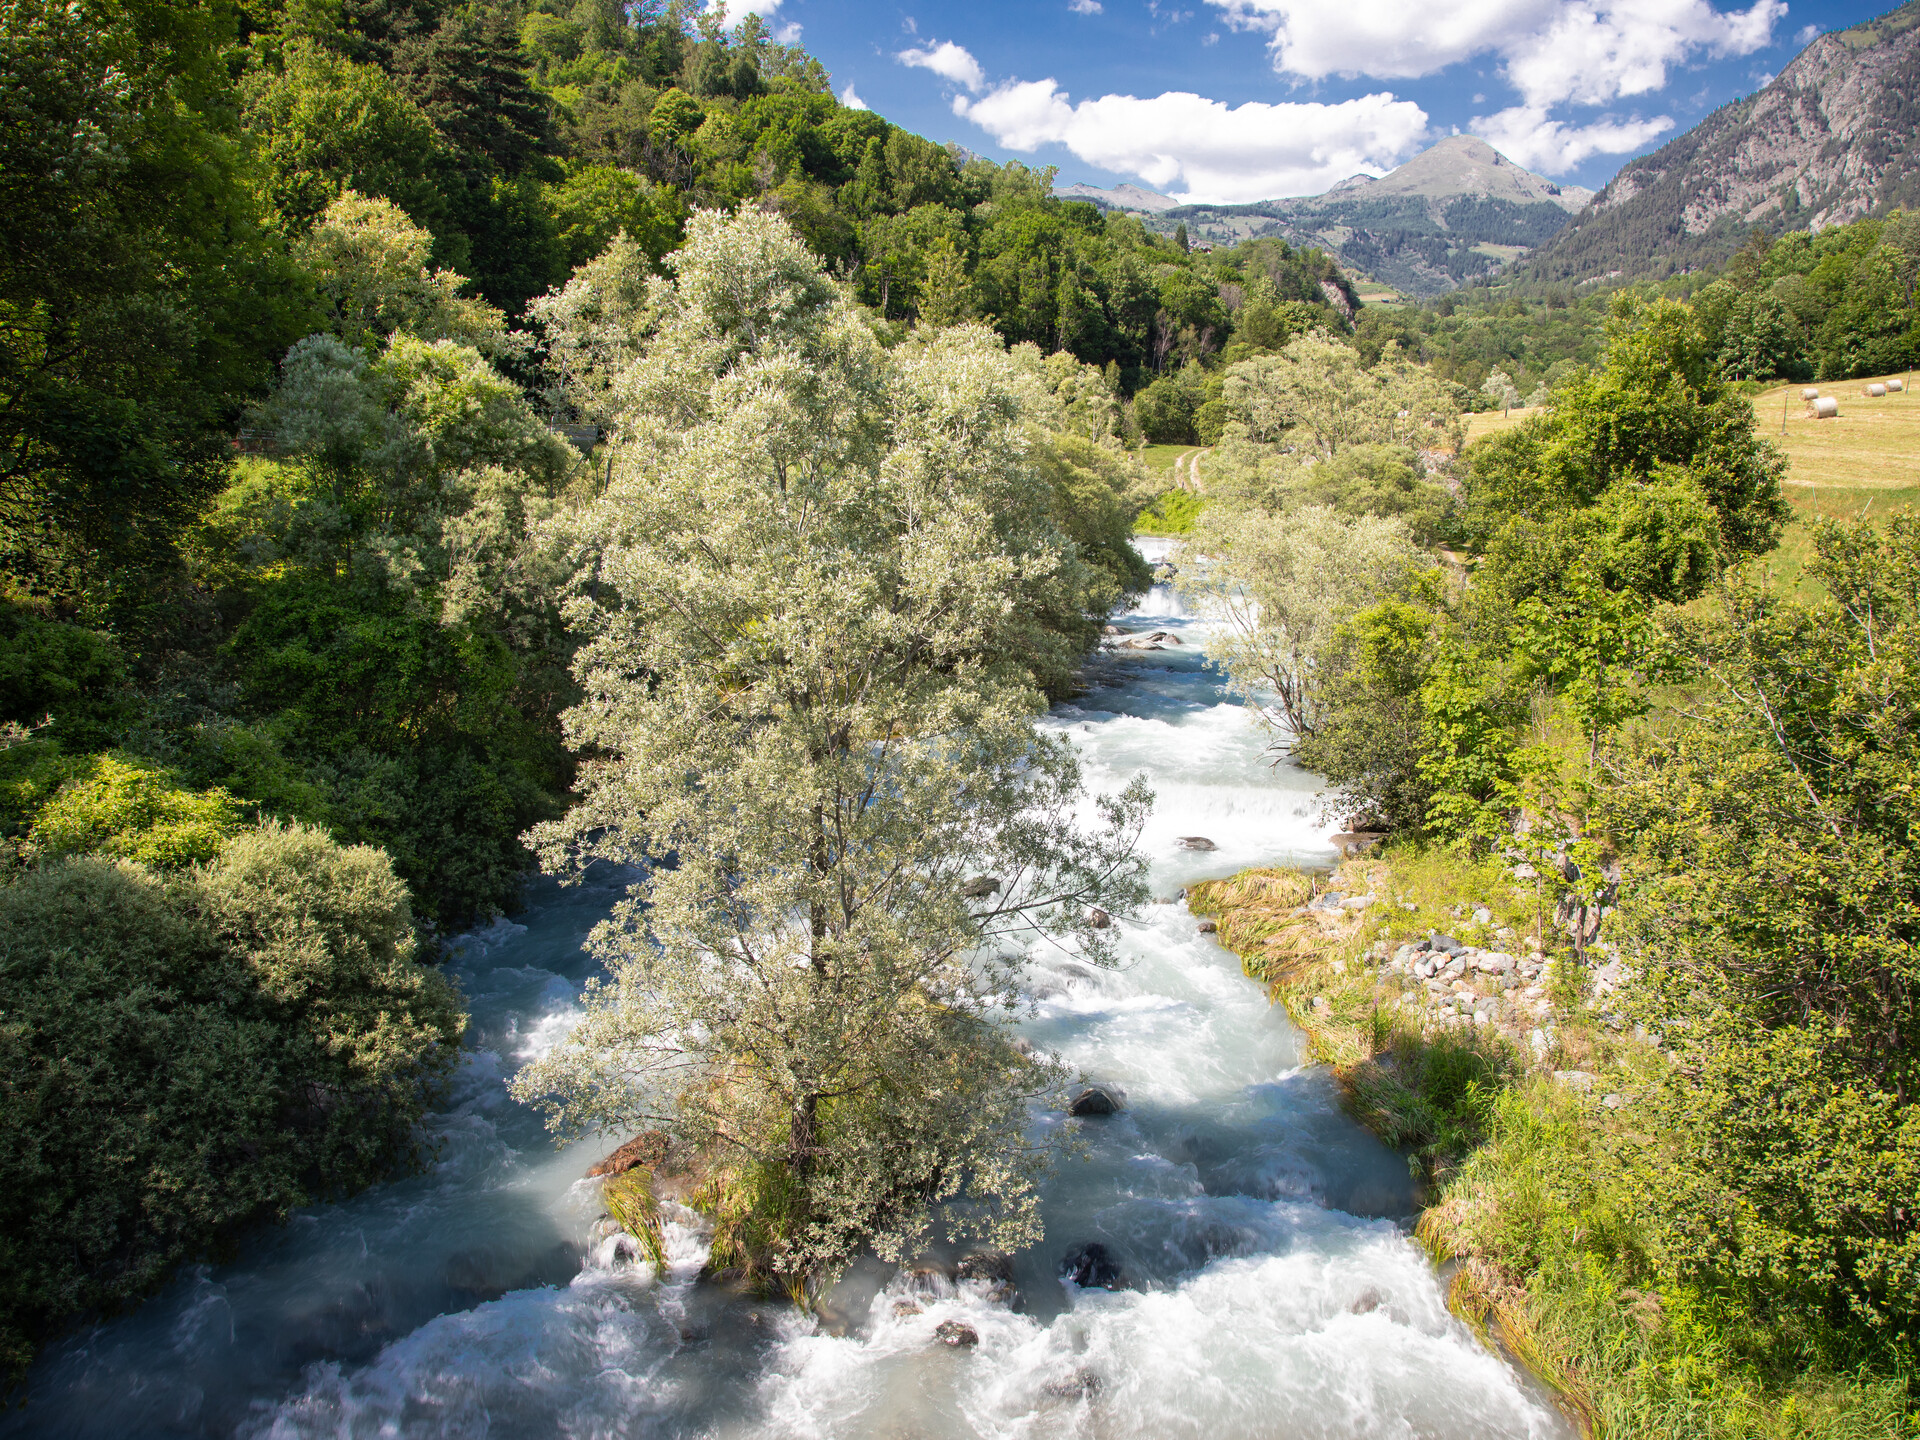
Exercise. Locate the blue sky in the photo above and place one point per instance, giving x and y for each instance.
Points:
(1239, 100)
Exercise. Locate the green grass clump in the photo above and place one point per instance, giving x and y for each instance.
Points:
(1172, 514)
(1547, 1220)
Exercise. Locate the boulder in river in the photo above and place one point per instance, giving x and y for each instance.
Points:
(992, 1269)
(1091, 1266)
(1208, 927)
(1197, 842)
(1094, 1100)
(1356, 842)
(980, 887)
(648, 1148)
(956, 1336)
(1081, 1384)
(1099, 919)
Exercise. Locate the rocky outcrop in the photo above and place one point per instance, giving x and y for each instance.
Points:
(1830, 139)
(649, 1148)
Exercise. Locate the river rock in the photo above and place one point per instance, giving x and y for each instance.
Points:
(1091, 1267)
(1099, 919)
(1081, 1384)
(1356, 842)
(956, 1336)
(1197, 842)
(1495, 962)
(648, 1148)
(992, 1269)
(980, 887)
(1094, 1100)
(1208, 927)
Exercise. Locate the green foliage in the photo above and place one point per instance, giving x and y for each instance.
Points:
(1372, 480)
(1772, 924)
(1550, 1215)
(185, 1058)
(119, 806)
(1431, 1096)
(831, 585)
(143, 298)
(74, 677)
(1172, 514)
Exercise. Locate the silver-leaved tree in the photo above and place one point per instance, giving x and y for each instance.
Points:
(813, 597)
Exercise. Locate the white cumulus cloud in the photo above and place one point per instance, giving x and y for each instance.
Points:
(1553, 51)
(1524, 134)
(1084, 7)
(1204, 150)
(850, 98)
(787, 32)
(949, 61)
(1804, 36)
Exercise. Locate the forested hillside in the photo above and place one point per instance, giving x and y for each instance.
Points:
(1800, 306)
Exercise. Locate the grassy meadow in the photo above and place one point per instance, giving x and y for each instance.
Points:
(1863, 463)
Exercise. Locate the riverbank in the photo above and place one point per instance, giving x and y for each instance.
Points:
(1458, 1031)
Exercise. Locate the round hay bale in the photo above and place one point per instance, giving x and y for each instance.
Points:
(1894, 387)
(1877, 390)
(1812, 392)
(1825, 408)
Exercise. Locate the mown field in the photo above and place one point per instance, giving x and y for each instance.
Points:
(1863, 463)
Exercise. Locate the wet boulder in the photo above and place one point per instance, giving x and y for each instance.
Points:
(956, 1336)
(1351, 843)
(991, 1270)
(980, 887)
(1197, 842)
(1091, 1266)
(649, 1149)
(1081, 1384)
(1094, 1100)
(1099, 919)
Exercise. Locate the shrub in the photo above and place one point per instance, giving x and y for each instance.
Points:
(1172, 514)
(183, 1056)
(73, 675)
(1165, 411)
(129, 809)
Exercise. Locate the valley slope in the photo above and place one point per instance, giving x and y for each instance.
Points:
(1829, 139)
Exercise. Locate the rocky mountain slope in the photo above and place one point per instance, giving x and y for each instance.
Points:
(1832, 138)
(1453, 214)
(1121, 197)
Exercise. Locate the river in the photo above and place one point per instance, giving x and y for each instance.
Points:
(1273, 1290)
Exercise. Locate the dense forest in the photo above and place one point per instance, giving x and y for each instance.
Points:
(441, 439)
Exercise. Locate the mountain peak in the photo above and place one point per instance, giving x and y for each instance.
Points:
(1120, 197)
(1829, 139)
(1466, 165)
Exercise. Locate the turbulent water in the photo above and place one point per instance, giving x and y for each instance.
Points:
(1271, 1287)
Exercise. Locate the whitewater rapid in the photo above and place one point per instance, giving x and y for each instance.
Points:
(1272, 1288)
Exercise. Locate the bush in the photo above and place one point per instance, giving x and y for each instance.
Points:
(181, 1057)
(1165, 412)
(72, 675)
(1172, 514)
(124, 807)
